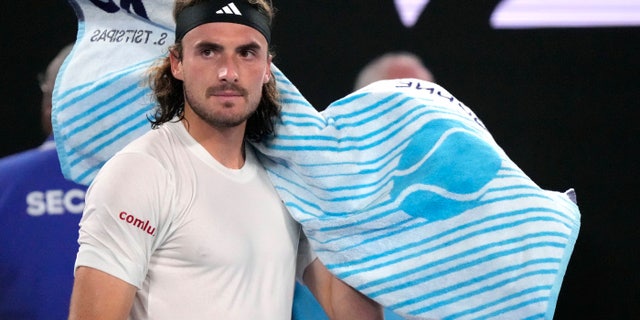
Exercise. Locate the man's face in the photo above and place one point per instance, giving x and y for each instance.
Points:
(223, 68)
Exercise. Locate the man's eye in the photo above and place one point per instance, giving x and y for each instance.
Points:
(247, 53)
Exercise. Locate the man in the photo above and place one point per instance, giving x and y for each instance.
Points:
(393, 65)
(39, 213)
(183, 223)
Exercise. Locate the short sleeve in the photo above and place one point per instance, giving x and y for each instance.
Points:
(124, 217)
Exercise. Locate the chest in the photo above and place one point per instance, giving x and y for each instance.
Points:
(229, 223)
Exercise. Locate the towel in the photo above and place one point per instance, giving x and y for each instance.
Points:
(100, 100)
(400, 188)
(404, 194)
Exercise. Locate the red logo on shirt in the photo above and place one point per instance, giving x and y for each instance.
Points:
(142, 225)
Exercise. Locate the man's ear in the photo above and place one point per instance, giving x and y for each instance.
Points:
(176, 64)
(267, 74)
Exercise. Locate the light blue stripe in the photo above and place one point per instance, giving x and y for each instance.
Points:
(105, 85)
(488, 288)
(93, 169)
(488, 305)
(105, 114)
(445, 111)
(275, 145)
(457, 256)
(99, 135)
(369, 109)
(536, 316)
(435, 263)
(507, 298)
(514, 307)
(514, 187)
(290, 101)
(70, 91)
(304, 124)
(382, 214)
(292, 205)
(100, 105)
(445, 233)
(561, 272)
(425, 241)
(560, 213)
(291, 183)
(359, 163)
(399, 227)
(329, 198)
(459, 285)
(296, 205)
(358, 138)
(303, 115)
(290, 92)
(110, 79)
(349, 99)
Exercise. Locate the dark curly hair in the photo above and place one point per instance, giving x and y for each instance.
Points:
(169, 94)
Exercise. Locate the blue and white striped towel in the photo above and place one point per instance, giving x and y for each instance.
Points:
(101, 101)
(404, 194)
(401, 190)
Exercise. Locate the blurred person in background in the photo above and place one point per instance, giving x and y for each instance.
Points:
(393, 65)
(39, 214)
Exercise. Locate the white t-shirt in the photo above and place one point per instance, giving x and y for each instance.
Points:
(198, 240)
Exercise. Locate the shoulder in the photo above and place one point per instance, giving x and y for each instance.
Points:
(155, 146)
(149, 159)
(161, 144)
(37, 159)
(28, 156)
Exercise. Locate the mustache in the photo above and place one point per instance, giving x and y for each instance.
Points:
(226, 87)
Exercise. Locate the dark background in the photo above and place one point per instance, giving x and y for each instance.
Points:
(561, 102)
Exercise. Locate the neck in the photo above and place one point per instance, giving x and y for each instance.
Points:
(225, 145)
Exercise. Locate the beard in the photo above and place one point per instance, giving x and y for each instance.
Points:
(220, 119)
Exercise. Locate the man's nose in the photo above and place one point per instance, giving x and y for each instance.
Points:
(227, 71)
